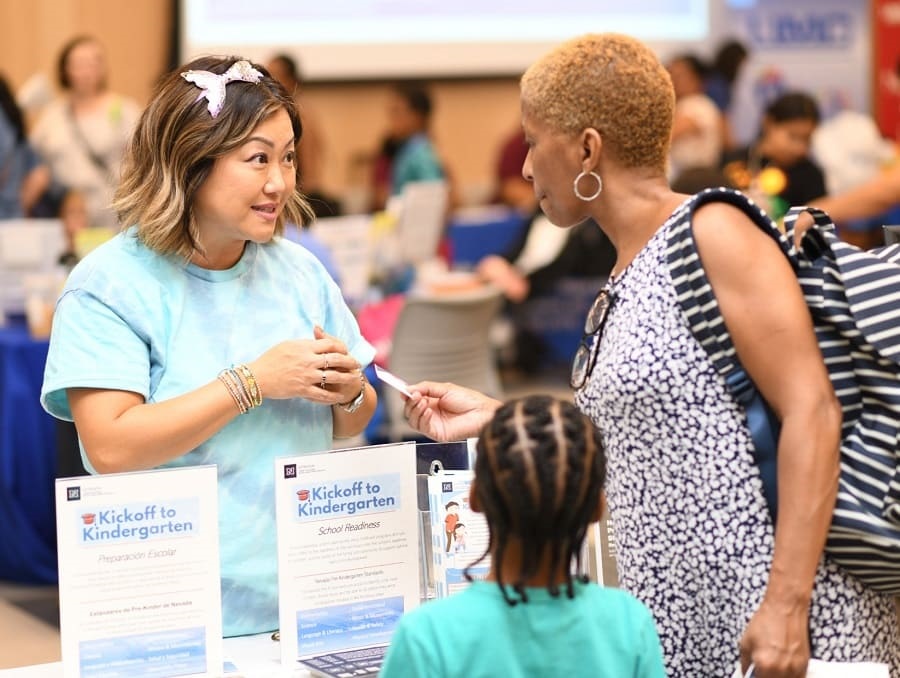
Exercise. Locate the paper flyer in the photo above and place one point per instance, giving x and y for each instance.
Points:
(459, 536)
(604, 556)
(433, 459)
(139, 587)
(820, 669)
(348, 563)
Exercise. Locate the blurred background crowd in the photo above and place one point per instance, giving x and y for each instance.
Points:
(73, 80)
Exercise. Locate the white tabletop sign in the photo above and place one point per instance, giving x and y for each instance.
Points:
(347, 547)
(139, 587)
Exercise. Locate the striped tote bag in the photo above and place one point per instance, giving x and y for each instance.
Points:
(854, 299)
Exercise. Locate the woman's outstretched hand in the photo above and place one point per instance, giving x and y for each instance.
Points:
(444, 411)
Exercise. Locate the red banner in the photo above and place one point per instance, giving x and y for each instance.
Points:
(886, 65)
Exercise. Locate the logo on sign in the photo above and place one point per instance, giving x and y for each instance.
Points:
(794, 29)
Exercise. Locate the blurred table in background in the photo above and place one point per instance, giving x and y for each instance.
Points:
(476, 232)
(28, 458)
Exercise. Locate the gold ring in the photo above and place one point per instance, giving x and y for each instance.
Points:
(322, 385)
(326, 363)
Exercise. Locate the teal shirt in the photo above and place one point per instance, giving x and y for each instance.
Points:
(415, 161)
(600, 633)
(132, 320)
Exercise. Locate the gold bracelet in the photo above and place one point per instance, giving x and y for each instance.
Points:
(241, 387)
(252, 385)
(224, 378)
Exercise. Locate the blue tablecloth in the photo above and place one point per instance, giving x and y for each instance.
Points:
(27, 462)
(474, 234)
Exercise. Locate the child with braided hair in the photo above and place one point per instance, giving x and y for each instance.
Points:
(539, 477)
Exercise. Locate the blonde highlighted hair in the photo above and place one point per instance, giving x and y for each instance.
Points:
(609, 82)
(175, 145)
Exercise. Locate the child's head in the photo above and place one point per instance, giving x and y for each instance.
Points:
(459, 530)
(409, 110)
(787, 128)
(539, 477)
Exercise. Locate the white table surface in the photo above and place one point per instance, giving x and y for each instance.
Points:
(255, 657)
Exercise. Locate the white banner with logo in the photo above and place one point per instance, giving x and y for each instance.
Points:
(348, 563)
(139, 586)
(822, 47)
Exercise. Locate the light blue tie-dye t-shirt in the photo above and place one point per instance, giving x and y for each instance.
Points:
(130, 319)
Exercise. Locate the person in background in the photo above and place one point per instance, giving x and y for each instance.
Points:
(697, 123)
(311, 155)
(23, 176)
(310, 159)
(198, 335)
(533, 266)
(871, 199)
(74, 217)
(695, 541)
(783, 145)
(727, 62)
(539, 477)
(83, 133)
(406, 153)
(512, 189)
(720, 81)
(381, 172)
(302, 235)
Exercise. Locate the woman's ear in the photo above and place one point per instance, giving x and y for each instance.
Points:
(474, 502)
(591, 146)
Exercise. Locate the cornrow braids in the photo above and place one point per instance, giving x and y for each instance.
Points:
(539, 473)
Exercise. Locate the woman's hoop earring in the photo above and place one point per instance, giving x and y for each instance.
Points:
(588, 198)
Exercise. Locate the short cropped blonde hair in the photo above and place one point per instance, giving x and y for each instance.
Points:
(612, 83)
(175, 145)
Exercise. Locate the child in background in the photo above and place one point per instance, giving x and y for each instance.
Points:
(450, 522)
(539, 479)
(73, 214)
(459, 538)
(81, 236)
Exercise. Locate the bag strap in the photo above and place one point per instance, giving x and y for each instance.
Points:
(701, 311)
(870, 281)
(96, 159)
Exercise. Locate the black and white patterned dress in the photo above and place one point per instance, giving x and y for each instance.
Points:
(693, 532)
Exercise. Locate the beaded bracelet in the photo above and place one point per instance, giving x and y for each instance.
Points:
(243, 387)
(252, 385)
(225, 376)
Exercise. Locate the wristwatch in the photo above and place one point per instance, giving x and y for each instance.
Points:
(356, 403)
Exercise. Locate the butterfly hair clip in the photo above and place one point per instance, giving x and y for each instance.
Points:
(213, 85)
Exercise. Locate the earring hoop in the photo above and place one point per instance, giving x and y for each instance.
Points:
(582, 175)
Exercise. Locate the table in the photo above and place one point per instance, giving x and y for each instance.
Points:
(476, 232)
(27, 461)
(253, 656)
